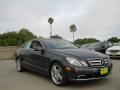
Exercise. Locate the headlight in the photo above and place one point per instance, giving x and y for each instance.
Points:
(84, 63)
(74, 61)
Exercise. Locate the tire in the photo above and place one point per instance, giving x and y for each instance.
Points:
(57, 74)
(19, 67)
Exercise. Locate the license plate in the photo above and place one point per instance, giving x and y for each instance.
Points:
(103, 70)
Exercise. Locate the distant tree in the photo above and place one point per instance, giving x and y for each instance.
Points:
(56, 36)
(73, 30)
(15, 39)
(114, 39)
(50, 20)
(85, 41)
(9, 38)
(25, 35)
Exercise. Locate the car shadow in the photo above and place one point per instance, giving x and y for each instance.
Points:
(38, 75)
(88, 83)
(71, 83)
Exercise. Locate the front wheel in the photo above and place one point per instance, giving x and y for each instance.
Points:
(57, 74)
(19, 65)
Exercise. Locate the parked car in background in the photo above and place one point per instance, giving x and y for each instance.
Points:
(62, 61)
(114, 51)
(98, 46)
(86, 45)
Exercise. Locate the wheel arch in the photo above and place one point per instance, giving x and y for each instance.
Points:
(17, 58)
(54, 61)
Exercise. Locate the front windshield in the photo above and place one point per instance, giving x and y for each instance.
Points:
(59, 44)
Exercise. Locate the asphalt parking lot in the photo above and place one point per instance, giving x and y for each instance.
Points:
(10, 79)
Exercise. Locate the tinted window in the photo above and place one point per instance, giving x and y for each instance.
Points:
(105, 44)
(110, 44)
(35, 44)
(59, 44)
(27, 45)
(85, 45)
(97, 45)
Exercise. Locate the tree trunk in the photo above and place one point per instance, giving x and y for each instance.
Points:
(73, 37)
(50, 30)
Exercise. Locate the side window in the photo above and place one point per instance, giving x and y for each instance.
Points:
(27, 45)
(110, 44)
(35, 44)
(97, 45)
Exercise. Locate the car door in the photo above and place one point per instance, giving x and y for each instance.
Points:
(25, 53)
(39, 58)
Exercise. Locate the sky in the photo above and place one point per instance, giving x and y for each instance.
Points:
(93, 18)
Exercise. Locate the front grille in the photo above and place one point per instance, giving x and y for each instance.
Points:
(98, 62)
(114, 51)
(95, 62)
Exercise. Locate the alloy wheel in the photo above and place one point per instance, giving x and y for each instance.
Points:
(56, 74)
(18, 65)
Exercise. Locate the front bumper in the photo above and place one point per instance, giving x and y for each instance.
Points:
(87, 73)
(113, 55)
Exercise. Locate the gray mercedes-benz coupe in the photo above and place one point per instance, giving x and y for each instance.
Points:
(62, 61)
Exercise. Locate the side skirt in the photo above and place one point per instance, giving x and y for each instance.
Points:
(35, 68)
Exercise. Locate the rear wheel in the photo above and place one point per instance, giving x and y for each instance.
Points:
(57, 74)
(19, 65)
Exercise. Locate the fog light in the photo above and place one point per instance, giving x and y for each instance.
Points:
(79, 76)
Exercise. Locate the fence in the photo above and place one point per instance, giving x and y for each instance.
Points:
(7, 52)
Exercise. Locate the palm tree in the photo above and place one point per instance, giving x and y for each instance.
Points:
(73, 30)
(50, 20)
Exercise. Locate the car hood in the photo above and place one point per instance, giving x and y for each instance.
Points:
(114, 48)
(79, 53)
